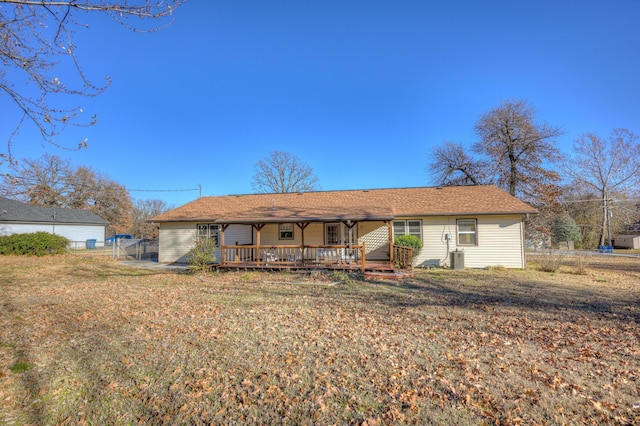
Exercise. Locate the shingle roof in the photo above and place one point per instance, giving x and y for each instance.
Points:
(367, 204)
(15, 211)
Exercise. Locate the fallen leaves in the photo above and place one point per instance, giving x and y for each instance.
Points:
(472, 347)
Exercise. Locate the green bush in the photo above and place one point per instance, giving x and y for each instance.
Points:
(202, 255)
(34, 244)
(408, 241)
(411, 241)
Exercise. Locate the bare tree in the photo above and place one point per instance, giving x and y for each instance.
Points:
(53, 181)
(37, 42)
(43, 181)
(143, 210)
(283, 172)
(514, 153)
(517, 148)
(607, 166)
(451, 166)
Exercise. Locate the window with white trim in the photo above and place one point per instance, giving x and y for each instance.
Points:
(407, 227)
(467, 232)
(209, 231)
(285, 231)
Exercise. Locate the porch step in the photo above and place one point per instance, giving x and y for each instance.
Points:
(389, 275)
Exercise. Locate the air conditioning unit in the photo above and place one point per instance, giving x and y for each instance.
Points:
(457, 260)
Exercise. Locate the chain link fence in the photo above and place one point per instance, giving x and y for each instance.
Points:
(131, 249)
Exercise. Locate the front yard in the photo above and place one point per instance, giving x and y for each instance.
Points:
(89, 341)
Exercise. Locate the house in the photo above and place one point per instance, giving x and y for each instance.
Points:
(627, 241)
(76, 225)
(351, 228)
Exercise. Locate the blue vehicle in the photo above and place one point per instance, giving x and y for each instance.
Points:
(112, 239)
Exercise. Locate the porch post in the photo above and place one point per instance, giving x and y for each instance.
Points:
(257, 227)
(223, 254)
(302, 226)
(390, 226)
(349, 224)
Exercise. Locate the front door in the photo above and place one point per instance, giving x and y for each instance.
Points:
(339, 234)
(332, 234)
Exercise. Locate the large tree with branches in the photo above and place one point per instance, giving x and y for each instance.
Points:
(37, 45)
(609, 169)
(453, 166)
(512, 152)
(518, 149)
(54, 182)
(283, 172)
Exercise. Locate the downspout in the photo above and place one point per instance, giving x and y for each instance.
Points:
(523, 255)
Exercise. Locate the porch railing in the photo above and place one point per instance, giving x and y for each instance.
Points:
(403, 257)
(294, 255)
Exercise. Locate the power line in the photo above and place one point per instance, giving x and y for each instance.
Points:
(197, 188)
(618, 200)
(161, 190)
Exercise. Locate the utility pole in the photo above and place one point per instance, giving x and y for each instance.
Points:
(607, 218)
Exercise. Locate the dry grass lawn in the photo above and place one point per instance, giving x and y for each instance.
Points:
(89, 341)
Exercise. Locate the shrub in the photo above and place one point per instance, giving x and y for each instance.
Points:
(411, 241)
(202, 255)
(34, 244)
(408, 241)
(549, 261)
(582, 262)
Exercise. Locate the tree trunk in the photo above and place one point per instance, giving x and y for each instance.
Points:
(605, 217)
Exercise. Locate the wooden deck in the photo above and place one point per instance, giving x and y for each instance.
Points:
(354, 266)
(334, 257)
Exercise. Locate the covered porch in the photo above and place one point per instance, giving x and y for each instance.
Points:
(345, 253)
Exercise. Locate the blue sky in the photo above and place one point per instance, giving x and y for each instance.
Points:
(361, 91)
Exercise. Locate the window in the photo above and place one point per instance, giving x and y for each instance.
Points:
(467, 232)
(209, 231)
(407, 227)
(286, 231)
(332, 233)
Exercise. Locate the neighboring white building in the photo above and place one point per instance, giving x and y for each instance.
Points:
(76, 225)
(484, 222)
(627, 241)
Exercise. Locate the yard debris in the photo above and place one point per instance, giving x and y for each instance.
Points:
(111, 344)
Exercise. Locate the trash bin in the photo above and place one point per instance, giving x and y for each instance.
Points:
(91, 244)
(457, 260)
